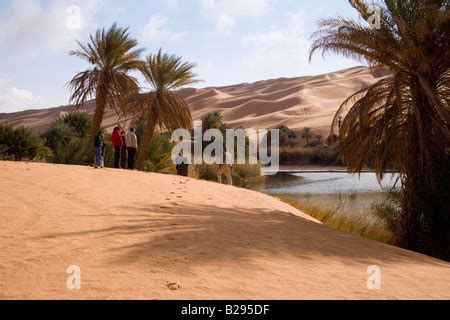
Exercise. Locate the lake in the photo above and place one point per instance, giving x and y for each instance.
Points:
(350, 193)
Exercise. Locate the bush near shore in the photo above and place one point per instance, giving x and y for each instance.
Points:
(380, 223)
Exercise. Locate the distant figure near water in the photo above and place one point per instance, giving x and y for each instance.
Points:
(99, 145)
(226, 168)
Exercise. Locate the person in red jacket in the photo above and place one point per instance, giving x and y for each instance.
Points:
(117, 142)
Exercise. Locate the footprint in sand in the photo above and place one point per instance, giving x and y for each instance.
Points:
(173, 286)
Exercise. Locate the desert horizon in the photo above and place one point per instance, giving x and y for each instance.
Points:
(306, 101)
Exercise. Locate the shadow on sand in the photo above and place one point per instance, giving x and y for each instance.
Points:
(201, 234)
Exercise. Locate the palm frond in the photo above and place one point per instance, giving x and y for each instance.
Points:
(113, 54)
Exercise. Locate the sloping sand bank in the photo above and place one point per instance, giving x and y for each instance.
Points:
(148, 236)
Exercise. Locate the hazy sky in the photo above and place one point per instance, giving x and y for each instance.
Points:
(232, 41)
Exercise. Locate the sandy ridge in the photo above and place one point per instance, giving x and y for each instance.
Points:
(137, 235)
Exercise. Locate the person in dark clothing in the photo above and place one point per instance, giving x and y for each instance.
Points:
(123, 152)
(117, 142)
(99, 145)
(182, 165)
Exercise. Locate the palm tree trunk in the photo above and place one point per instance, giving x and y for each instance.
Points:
(146, 139)
(424, 224)
(100, 106)
(425, 217)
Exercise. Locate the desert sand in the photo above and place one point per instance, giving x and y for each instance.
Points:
(310, 101)
(147, 236)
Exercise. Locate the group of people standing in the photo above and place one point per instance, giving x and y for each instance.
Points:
(125, 148)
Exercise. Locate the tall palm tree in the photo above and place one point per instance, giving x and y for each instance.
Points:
(112, 54)
(161, 106)
(307, 135)
(403, 120)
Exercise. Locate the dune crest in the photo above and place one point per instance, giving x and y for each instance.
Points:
(309, 101)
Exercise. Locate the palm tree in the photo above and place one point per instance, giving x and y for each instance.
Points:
(161, 106)
(403, 120)
(212, 120)
(307, 135)
(113, 54)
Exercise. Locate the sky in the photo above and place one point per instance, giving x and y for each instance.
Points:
(231, 41)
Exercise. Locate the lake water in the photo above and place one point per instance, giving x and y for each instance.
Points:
(349, 193)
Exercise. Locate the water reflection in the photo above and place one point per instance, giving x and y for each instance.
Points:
(349, 193)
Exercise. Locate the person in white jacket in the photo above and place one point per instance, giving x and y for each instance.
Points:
(132, 145)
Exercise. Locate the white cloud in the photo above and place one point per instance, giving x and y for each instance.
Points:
(32, 27)
(226, 12)
(15, 99)
(157, 29)
(282, 48)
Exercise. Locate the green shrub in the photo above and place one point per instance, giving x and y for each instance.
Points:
(389, 211)
(79, 121)
(59, 134)
(325, 156)
(21, 144)
(159, 156)
(295, 156)
(246, 173)
(242, 174)
(319, 155)
(288, 137)
(66, 138)
(3, 149)
(206, 172)
(75, 152)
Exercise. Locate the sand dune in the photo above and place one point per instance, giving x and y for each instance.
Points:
(297, 102)
(148, 236)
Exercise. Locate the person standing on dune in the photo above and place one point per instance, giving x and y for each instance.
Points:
(182, 165)
(99, 145)
(117, 142)
(123, 152)
(132, 144)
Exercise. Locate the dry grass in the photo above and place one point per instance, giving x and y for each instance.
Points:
(367, 225)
